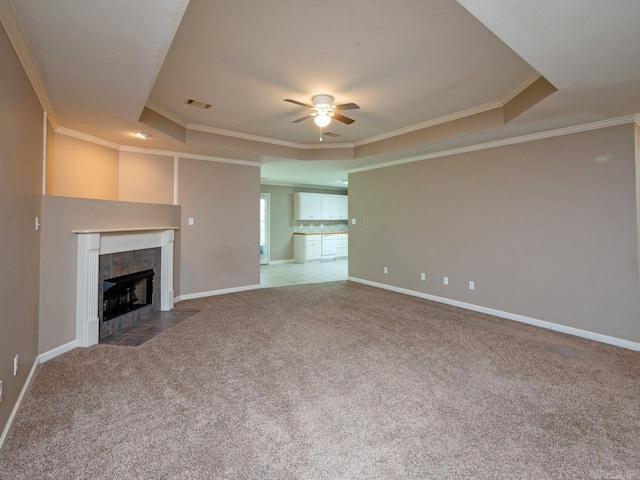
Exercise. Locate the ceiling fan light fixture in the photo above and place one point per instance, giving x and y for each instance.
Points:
(322, 119)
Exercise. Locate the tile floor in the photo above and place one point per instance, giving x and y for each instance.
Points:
(141, 332)
(283, 274)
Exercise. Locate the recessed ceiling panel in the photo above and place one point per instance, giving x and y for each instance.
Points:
(403, 63)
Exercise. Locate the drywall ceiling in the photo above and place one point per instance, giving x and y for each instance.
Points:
(99, 59)
(574, 43)
(101, 62)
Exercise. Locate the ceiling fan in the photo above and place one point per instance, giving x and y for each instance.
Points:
(323, 110)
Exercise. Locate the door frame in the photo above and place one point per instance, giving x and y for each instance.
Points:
(267, 226)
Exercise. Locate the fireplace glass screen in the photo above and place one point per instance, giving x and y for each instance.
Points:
(127, 293)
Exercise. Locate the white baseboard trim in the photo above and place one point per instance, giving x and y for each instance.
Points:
(191, 296)
(598, 337)
(53, 353)
(278, 262)
(16, 407)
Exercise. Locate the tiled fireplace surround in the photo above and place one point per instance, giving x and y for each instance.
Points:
(123, 263)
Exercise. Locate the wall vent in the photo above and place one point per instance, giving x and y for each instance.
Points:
(331, 134)
(198, 104)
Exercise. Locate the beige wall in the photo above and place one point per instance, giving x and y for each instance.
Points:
(145, 178)
(546, 229)
(82, 169)
(58, 261)
(21, 124)
(221, 249)
(282, 224)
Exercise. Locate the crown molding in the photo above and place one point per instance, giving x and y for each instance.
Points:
(166, 113)
(431, 123)
(87, 138)
(518, 89)
(243, 136)
(507, 141)
(193, 156)
(325, 146)
(302, 185)
(272, 141)
(12, 26)
(150, 151)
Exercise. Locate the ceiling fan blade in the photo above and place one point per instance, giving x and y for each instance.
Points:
(297, 103)
(343, 119)
(301, 119)
(346, 106)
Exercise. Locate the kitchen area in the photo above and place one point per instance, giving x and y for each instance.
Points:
(320, 241)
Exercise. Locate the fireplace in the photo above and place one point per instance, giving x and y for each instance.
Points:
(102, 254)
(126, 293)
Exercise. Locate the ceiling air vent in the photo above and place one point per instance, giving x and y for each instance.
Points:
(198, 104)
(331, 134)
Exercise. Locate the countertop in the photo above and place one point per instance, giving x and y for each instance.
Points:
(321, 233)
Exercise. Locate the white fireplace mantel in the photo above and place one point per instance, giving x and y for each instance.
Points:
(94, 242)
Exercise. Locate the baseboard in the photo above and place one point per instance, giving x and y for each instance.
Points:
(16, 407)
(46, 356)
(279, 262)
(598, 337)
(191, 296)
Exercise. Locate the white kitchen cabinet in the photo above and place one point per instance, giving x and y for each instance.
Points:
(343, 208)
(343, 245)
(307, 247)
(317, 206)
(307, 206)
(314, 249)
(330, 207)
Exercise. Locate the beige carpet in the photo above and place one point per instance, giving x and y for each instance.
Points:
(333, 381)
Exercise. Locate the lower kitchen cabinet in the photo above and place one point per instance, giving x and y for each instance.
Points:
(309, 247)
(343, 245)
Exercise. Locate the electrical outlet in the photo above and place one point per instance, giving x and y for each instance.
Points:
(15, 365)
(446, 280)
(423, 276)
(386, 270)
(0, 391)
(472, 285)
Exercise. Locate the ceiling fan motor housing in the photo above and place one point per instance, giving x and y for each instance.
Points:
(323, 104)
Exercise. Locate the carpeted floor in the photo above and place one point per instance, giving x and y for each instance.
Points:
(333, 381)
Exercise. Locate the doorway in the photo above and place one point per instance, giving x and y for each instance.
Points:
(265, 215)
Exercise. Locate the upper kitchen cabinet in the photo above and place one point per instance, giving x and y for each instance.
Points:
(316, 206)
(344, 207)
(307, 206)
(330, 207)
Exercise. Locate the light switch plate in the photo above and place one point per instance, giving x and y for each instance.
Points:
(353, 221)
(190, 221)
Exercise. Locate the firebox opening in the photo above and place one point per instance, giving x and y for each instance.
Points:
(127, 293)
